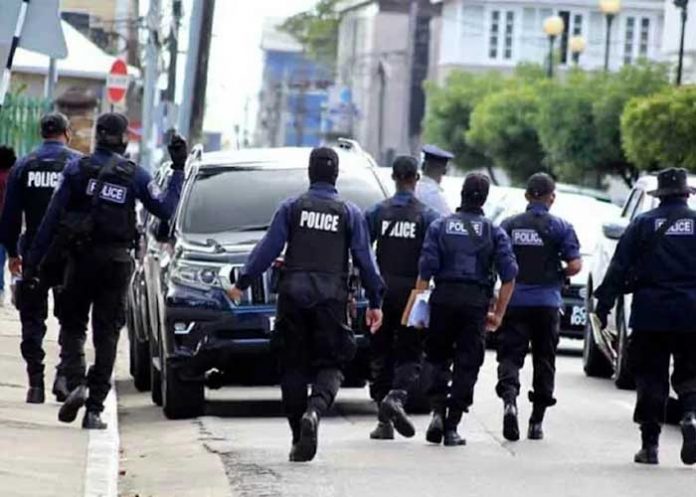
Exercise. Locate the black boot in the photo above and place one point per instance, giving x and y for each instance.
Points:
(60, 388)
(306, 447)
(392, 408)
(36, 395)
(75, 401)
(511, 426)
(93, 421)
(650, 436)
(536, 431)
(688, 427)
(452, 438)
(436, 428)
(383, 431)
(295, 428)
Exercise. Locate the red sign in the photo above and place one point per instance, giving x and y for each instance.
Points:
(117, 83)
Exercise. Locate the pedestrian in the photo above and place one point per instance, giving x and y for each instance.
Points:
(92, 216)
(656, 261)
(462, 253)
(429, 191)
(29, 189)
(542, 243)
(311, 334)
(7, 160)
(398, 227)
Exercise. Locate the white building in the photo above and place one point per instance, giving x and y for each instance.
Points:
(492, 34)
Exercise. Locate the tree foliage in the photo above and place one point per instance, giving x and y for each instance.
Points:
(317, 30)
(658, 131)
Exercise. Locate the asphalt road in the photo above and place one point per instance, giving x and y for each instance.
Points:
(240, 448)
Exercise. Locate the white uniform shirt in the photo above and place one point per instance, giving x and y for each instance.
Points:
(431, 194)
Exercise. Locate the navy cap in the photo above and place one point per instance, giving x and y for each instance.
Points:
(323, 165)
(540, 185)
(405, 167)
(435, 153)
(54, 124)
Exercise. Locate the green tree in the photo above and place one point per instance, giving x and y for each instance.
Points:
(503, 127)
(659, 130)
(317, 30)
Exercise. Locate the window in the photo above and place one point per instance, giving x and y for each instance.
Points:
(644, 37)
(628, 42)
(494, 35)
(509, 29)
(577, 25)
(565, 15)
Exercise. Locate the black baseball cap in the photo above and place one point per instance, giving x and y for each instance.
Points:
(405, 167)
(540, 185)
(112, 124)
(54, 124)
(475, 189)
(323, 165)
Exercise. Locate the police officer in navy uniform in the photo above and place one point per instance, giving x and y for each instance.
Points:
(462, 253)
(660, 267)
(94, 209)
(542, 244)
(428, 190)
(314, 341)
(29, 190)
(398, 227)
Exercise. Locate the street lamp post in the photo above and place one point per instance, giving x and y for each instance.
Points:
(577, 45)
(684, 6)
(553, 27)
(609, 8)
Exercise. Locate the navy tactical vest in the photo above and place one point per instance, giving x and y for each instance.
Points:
(39, 179)
(401, 230)
(538, 255)
(318, 237)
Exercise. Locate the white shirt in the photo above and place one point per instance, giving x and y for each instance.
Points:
(431, 194)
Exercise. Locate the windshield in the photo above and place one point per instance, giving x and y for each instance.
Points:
(244, 199)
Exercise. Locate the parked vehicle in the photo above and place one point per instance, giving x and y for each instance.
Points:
(605, 353)
(177, 302)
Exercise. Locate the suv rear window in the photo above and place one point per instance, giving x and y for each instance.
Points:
(245, 198)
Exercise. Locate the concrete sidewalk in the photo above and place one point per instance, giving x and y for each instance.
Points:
(38, 455)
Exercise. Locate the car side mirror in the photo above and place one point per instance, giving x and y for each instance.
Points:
(614, 230)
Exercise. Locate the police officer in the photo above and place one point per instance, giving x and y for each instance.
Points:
(429, 191)
(314, 341)
(462, 252)
(542, 243)
(657, 258)
(29, 190)
(398, 226)
(94, 210)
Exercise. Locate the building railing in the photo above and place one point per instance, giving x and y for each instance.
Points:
(19, 122)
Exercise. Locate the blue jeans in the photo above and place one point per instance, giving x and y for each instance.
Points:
(3, 257)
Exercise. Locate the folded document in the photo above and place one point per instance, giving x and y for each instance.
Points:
(417, 312)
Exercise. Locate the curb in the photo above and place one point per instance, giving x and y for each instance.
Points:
(101, 470)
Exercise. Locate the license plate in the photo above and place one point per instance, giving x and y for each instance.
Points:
(578, 315)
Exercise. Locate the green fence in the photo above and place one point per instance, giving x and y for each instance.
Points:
(19, 122)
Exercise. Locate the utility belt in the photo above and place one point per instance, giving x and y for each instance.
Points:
(309, 288)
(459, 292)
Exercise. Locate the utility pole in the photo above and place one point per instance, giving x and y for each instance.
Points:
(191, 63)
(147, 142)
(173, 45)
(410, 53)
(51, 80)
(201, 74)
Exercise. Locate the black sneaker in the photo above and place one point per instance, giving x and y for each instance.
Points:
(535, 432)
(647, 455)
(60, 388)
(36, 395)
(93, 421)
(306, 448)
(383, 431)
(392, 407)
(436, 428)
(688, 451)
(511, 427)
(75, 401)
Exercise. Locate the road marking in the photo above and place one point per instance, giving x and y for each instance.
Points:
(101, 472)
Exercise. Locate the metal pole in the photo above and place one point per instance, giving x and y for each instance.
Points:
(191, 64)
(552, 41)
(51, 80)
(173, 50)
(147, 144)
(7, 70)
(680, 66)
(410, 51)
(610, 21)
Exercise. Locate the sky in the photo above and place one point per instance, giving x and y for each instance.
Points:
(236, 59)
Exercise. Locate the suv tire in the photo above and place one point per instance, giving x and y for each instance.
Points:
(140, 357)
(155, 376)
(594, 362)
(623, 377)
(180, 399)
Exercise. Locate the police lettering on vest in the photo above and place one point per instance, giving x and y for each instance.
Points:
(319, 221)
(682, 227)
(526, 237)
(458, 227)
(400, 229)
(109, 192)
(43, 179)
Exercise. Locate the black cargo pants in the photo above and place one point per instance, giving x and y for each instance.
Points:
(455, 349)
(98, 283)
(396, 350)
(522, 325)
(33, 312)
(313, 346)
(649, 357)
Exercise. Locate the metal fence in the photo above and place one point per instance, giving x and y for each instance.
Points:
(19, 122)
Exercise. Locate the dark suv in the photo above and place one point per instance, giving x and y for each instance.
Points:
(178, 293)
